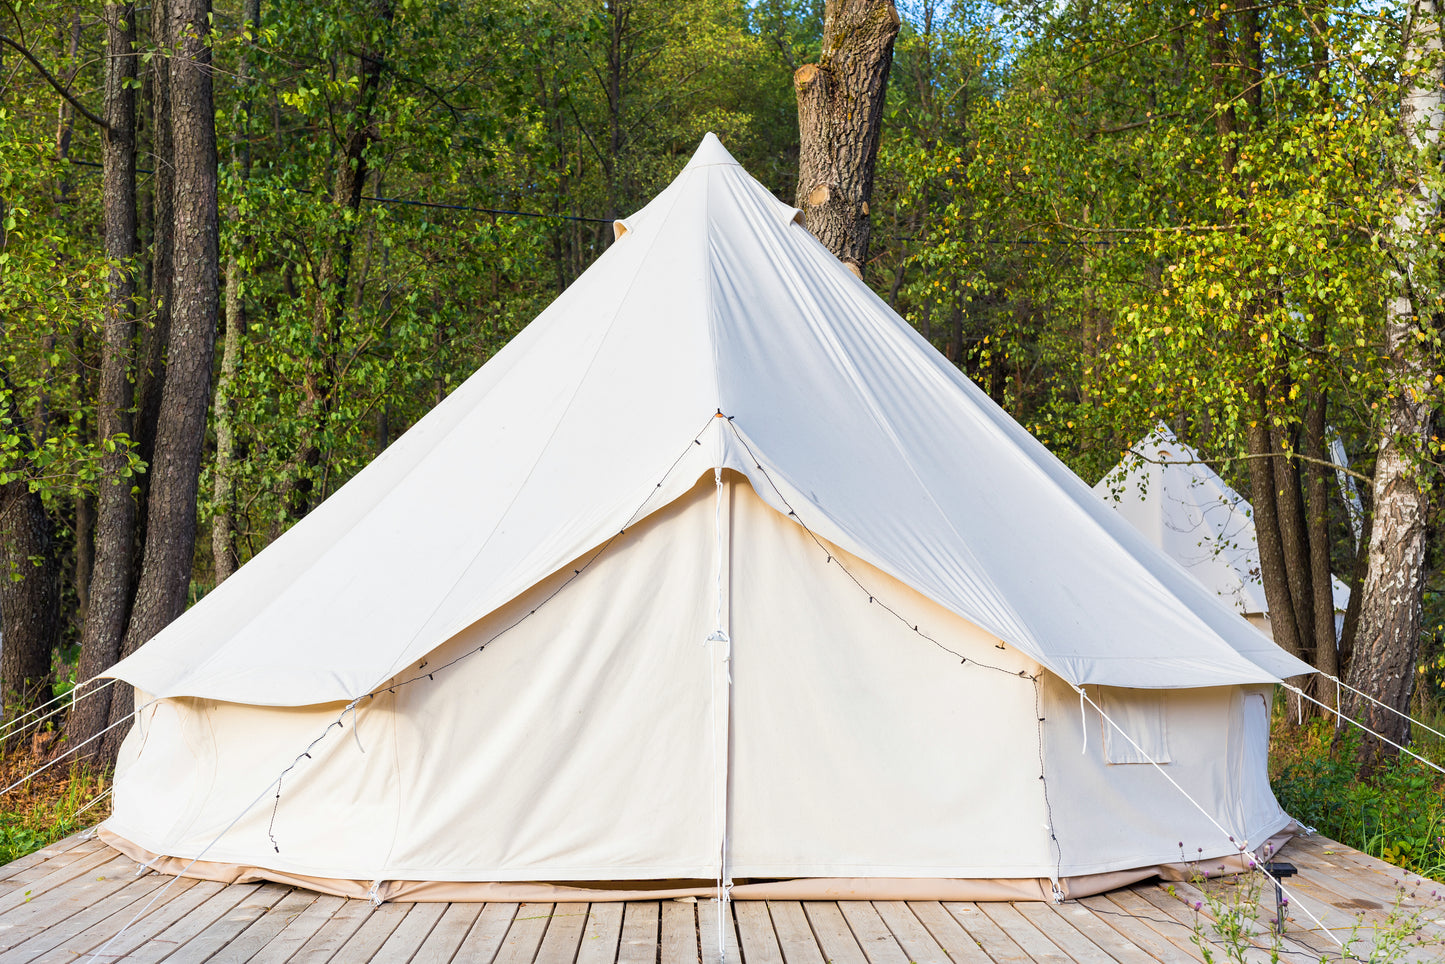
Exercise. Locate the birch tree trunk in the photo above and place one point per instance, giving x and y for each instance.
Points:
(1383, 664)
(840, 116)
(110, 590)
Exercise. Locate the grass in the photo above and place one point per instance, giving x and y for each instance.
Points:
(53, 805)
(1398, 815)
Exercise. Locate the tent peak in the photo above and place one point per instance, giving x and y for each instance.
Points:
(710, 151)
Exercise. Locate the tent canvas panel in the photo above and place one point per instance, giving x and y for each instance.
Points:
(1133, 817)
(593, 734)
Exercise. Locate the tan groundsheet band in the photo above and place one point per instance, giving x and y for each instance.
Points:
(802, 888)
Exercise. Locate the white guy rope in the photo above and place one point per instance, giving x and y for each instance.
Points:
(4, 730)
(1338, 683)
(1429, 763)
(1241, 845)
(34, 773)
(100, 951)
(720, 799)
(98, 797)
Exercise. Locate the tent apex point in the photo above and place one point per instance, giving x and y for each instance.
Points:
(710, 151)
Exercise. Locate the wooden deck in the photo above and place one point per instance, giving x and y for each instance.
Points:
(62, 904)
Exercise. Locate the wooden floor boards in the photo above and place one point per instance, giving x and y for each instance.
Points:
(78, 900)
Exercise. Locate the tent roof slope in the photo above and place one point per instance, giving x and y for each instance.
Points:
(713, 299)
(1167, 492)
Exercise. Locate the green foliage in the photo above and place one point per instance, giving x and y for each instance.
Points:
(1398, 815)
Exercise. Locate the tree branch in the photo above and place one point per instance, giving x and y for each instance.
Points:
(62, 91)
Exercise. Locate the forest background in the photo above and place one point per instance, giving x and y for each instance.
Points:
(1221, 216)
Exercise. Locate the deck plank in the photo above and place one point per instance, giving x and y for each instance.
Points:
(956, 942)
(1101, 935)
(600, 937)
(1028, 937)
(872, 934)
(134, 927)
(1176, 937)
(484, 941)
(456, 922)
(564, 934)
(835, 937)
(324, 942)
(709, 919)
(289, 938)
(639, 933)
(75, 896)
(985, 933)
(795, 935)
(366, 943)
(755, 932)
(43, 936)
(183, 932)
(524, 936)
(1050, 921)
(46, 882)
(252, 923)
(406, 939)
(909, 932)
(49, 854)
(1135, 931)
(679, 932)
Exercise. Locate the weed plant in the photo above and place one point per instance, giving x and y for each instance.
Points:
(1398, 815)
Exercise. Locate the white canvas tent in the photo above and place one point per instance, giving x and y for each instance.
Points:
(717, 571)
(1175, 500)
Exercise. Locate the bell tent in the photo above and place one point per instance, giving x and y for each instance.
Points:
(717, 573)
(1167, 492)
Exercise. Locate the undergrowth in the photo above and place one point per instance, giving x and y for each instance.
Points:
(53, 805)
(1398, 815)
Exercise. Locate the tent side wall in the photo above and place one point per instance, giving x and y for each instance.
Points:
(1214, 742)
(586, 743)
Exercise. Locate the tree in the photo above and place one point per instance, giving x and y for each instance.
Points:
(840, 114)
(1389, 629)
(165, 576)
(110, 595)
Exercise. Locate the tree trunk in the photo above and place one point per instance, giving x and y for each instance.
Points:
(223, 524)
(333, 268)
(181, 428)
(29, 598)
(29, 586)
(150, 369)
(1317, 495)
(1383, 664)
(1273, 568)
(110, 590)
(840, 116)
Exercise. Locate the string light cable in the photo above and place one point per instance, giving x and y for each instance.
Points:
(1241, 845)
(1379, 736)
(873, 598)
(354, 705)
(425, 673)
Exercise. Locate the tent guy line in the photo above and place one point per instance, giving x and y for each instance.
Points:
(1241, 845)
(1301, 693)
(74, 696)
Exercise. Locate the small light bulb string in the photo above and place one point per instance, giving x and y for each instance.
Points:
(873, 598)
(430, 674)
